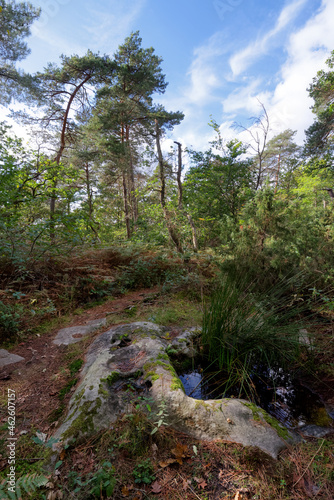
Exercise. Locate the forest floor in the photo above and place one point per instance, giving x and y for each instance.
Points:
(136, 463)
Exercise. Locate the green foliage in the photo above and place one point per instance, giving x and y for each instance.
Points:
(143, 472)
(319, 136)
(15, 21)
(147, 272)
(27, 484)
(103, 482)
(97, 485)
(10, 319)
(27, 181)
(75, 366)
(67, 388)
(159, 417)
(243, 329)
(216, 186)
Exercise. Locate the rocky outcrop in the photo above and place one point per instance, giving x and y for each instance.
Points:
(138, 354)
(74, 334)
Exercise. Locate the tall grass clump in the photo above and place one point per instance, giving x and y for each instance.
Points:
(244, 330)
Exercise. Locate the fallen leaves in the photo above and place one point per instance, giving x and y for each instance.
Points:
(156, 487)
(126, 490)
(167, 462)
(201, 482)
(180, 451)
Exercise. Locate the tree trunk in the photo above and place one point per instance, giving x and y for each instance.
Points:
(126, 206)
(194, 233)
(171, 229)
(180, 197)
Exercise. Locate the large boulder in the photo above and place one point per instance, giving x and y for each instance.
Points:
(137, 354)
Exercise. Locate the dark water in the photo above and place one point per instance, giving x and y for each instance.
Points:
(275, 391)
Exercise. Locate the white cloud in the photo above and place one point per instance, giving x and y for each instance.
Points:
(246, 98)
(288, 105)
(242, 60)
(108, 29)
(308, 50)
(205, 75)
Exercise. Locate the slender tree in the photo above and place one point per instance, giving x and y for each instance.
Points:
(124, 115)
(66, 91)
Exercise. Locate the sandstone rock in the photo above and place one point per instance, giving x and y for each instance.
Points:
(7, 358)
(73, 334)
(138, 352)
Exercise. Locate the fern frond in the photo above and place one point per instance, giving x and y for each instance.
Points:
(29, 483)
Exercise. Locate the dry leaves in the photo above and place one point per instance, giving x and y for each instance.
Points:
(180, 451)
(156, 487)
(126, 490)
(201, 482)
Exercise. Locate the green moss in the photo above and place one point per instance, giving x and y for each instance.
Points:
(176, 384)
(75, 366)
(152, 375)
(91, 387)
(112, 378)
(257, 412)
(67, 388)
(103, 392)
(79, 395)
(163, 356)
(148, 366)
(320, 417)
(201, 404)
(83, 424)
(165, 366)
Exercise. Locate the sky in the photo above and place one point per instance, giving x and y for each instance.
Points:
(222, 58)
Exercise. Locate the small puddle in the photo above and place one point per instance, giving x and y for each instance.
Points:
(276, 392)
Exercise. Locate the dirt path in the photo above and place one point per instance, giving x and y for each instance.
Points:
(38, 379)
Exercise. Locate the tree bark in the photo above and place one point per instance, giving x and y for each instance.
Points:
(126, 206)
(171, 229)
(180, 197)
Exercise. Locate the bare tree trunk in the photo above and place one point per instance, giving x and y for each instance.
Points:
(194, 233)
(171, 229)
(126, 206)
(180, 197)
(178, 175)
(133, 198)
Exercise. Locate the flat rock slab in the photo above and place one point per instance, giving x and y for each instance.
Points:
(137, 354)
(6, 358)
(73, 334)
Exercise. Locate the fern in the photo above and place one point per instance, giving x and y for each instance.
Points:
(28, 483)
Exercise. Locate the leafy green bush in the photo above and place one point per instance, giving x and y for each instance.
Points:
(10, 317)
(143, 472)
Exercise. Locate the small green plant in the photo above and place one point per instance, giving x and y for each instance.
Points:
(75, 366)
(160, 416)
(67, 388)
(98, 484)
(143, 472)
(48, 444)
(103, 481)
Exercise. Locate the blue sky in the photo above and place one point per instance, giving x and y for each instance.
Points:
(219, 56)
